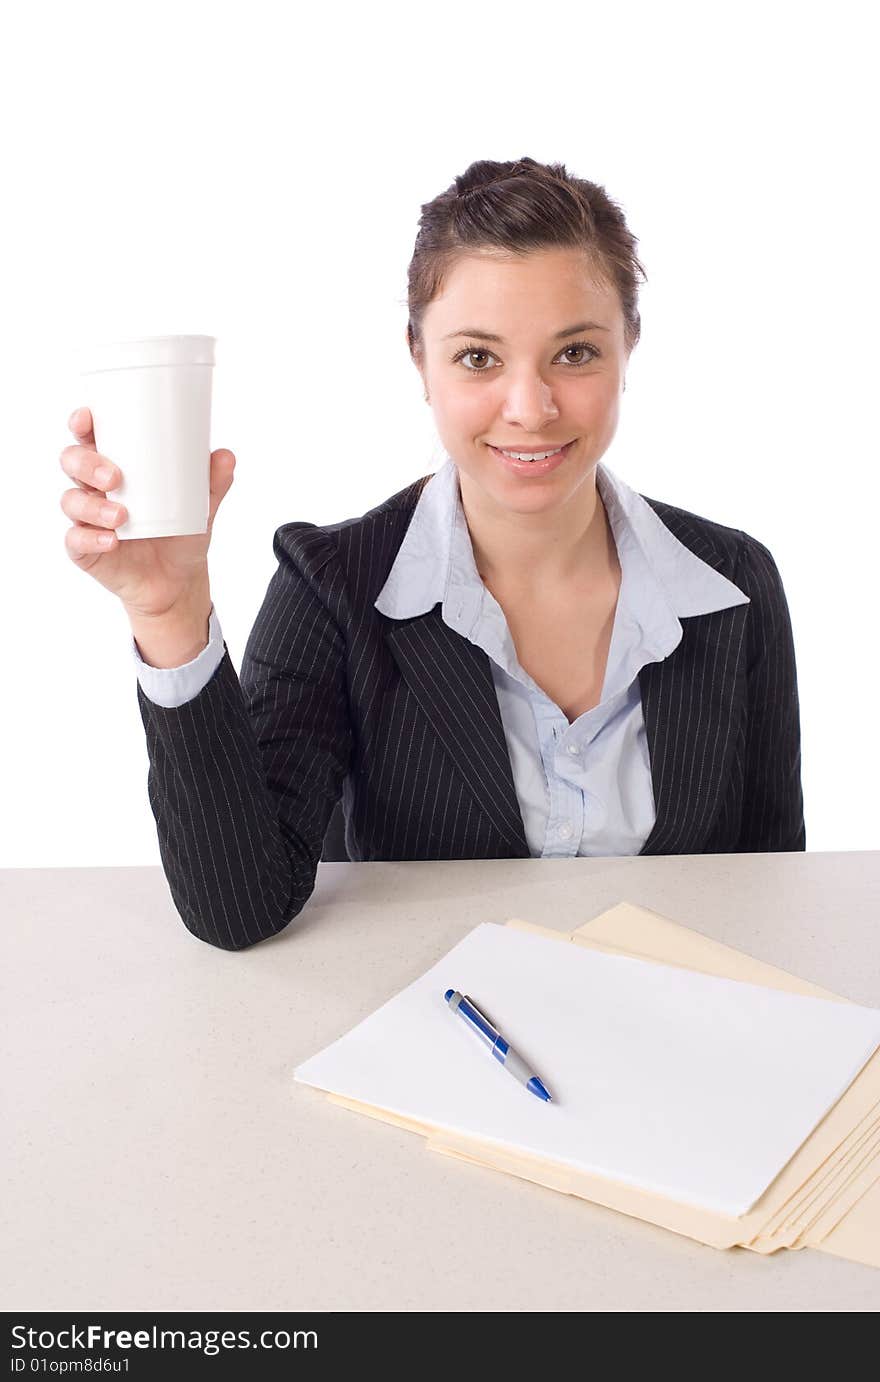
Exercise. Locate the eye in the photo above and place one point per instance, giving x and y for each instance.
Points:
(478, 350)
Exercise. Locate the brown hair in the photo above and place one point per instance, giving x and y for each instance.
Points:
(517, 207)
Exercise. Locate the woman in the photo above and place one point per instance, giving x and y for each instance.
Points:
(515, 656)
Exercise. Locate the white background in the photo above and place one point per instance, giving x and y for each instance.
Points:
(255, 172)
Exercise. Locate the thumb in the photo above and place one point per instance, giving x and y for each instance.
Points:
(222, 468)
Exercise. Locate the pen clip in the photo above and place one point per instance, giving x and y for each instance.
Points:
(482, 1016)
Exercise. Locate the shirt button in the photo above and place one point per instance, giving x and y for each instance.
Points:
(565, 831)
(574, 748)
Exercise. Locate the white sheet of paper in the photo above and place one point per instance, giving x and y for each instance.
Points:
(684, 1084)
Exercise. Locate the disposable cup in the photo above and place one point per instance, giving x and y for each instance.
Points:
(150, 401)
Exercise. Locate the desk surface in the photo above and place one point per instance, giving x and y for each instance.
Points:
(163, 1158)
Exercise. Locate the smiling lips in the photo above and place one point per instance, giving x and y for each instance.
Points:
(515, 451)
(538, 463)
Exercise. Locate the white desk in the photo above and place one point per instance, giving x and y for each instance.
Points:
(163, 1158)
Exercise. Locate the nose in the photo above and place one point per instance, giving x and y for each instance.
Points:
(529, 403)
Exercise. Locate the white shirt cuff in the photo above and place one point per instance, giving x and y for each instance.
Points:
(173, 686)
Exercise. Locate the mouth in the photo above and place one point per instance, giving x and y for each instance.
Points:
(541, 466)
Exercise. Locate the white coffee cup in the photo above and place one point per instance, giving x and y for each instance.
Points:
(150, 401)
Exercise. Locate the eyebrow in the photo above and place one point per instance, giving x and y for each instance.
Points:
(560, 335)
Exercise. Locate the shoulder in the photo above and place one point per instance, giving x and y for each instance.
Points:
(364, 547)
(712, 542)
(720, 545)
(739, 556)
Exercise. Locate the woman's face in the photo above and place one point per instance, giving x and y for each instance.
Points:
(538, 386)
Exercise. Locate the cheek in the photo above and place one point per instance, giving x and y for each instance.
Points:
(612, 407)
(471, 402)
(465, 412)
(596, 395)
(599, 412)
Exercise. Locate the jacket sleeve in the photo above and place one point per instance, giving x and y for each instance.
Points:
(243, 777)
(773, 805)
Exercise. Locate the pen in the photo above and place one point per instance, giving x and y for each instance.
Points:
(479, 1023)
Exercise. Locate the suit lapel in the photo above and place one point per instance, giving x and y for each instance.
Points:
(451, 679)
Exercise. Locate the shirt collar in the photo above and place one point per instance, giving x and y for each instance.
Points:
(435, 561)
(661, 578)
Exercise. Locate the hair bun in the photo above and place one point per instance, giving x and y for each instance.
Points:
(486, 172)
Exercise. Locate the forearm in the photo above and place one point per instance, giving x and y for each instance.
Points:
(244, 775)
(234, 875)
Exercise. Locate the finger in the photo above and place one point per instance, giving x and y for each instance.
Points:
(85, 542)
(92, 507)
(90, 469)
(81, 425)
(222, 469)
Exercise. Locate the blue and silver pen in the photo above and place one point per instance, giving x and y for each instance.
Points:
(501, 1049)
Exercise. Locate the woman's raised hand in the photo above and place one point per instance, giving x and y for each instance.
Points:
(149, 575)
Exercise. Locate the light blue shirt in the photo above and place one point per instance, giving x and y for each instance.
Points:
(583, 788)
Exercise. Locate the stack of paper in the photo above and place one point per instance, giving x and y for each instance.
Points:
(692, 1086)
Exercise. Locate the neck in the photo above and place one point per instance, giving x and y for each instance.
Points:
(540, 552)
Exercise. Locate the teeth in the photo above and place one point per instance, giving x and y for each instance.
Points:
(519, 456)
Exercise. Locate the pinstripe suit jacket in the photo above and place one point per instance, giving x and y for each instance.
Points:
(390, 729)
